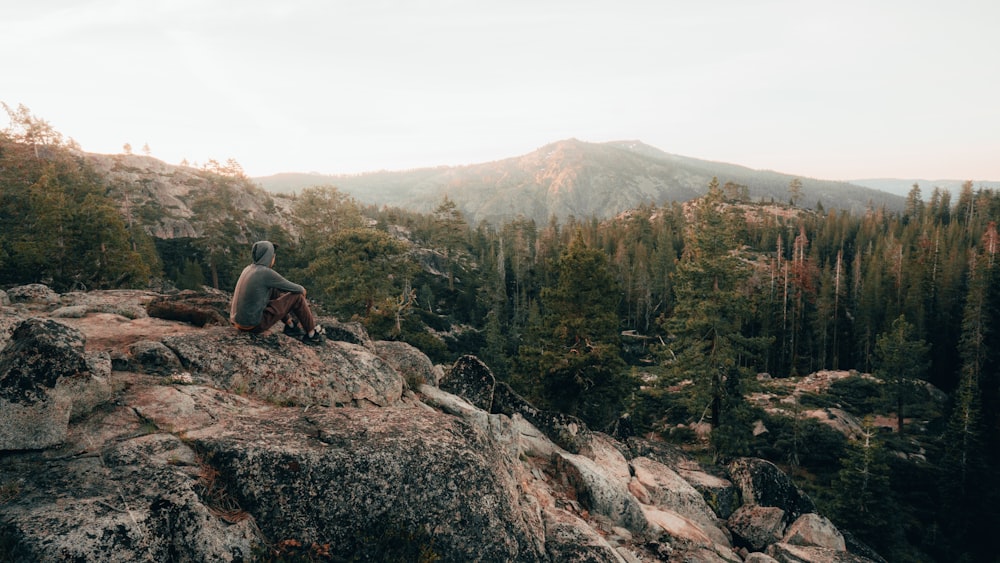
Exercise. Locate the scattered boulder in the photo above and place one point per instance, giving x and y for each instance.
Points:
(569, 538)
(757, 527)
(758, 557)
(34, 293)
(665, 488)
(788, 553)
(720, 494)
(472, 380)
(814, 530)
(192, 307)
(148, 356)
(44, 371)
(415, 367)
(600, 492)
(351, 332)
(761, 483)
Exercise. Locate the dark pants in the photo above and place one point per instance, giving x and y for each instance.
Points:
(280, 306)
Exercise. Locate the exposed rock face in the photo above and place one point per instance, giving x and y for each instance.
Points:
(264, 448)
(32, 293)
(158, 185)
(352, 332)
(199, 309)
(44, 373)
(471, 379)
(362, 479)
(138, 500)
(666, 488)
(601, 493)
(814, 530)
(283, 370)
(720, 494)
(568, 432)
(411, 363)
(761, 483)
(757, 527)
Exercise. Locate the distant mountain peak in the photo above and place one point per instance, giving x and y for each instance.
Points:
(576, 178)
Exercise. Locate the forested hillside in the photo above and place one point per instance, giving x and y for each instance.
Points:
(664, 318)
(572, 178)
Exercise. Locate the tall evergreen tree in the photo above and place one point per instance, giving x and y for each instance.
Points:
(901, 360)
(706, 326)
(864, 502)
(450, 231)
(574, 360)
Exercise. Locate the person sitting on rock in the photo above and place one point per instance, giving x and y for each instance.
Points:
(263, 297)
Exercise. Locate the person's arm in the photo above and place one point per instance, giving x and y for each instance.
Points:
(277, 281)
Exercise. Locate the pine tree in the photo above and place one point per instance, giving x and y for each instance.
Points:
(359, 270)
(449, 233)
(964, 436)
(707, 322)
(864, 501)
(574, 357)
(901, 359)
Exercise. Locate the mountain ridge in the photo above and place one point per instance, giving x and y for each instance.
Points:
(573, 178)
(902, 186)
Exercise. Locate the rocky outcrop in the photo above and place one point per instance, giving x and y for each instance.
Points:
(568, 432)
(814, 530)
(757, 527)
(197, 308)
(415, 367)
(363, 480)
(216, 445)
(761, 483)
(32, 293)
(282, 370)
(471, 379)
(46, 377)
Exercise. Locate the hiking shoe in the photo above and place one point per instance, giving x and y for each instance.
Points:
(315, 340)
(295, 331)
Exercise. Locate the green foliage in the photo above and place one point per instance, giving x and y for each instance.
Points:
(714, 280)
(864, 503)
(574, 363)
(802, 441)
(857, 395)
(191, 276)
(709, 346)
(361, 273)
(901, 359)
(56, 224)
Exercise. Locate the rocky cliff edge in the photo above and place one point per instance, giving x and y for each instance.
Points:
(126, 436)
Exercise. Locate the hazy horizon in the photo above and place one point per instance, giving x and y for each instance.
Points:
(853, 90)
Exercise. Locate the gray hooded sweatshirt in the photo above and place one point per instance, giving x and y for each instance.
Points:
(253, 289)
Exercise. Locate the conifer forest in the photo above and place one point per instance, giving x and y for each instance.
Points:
(673, 318)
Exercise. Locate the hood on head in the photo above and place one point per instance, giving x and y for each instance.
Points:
(263, 252)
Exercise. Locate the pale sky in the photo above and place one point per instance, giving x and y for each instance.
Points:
(826, 89)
